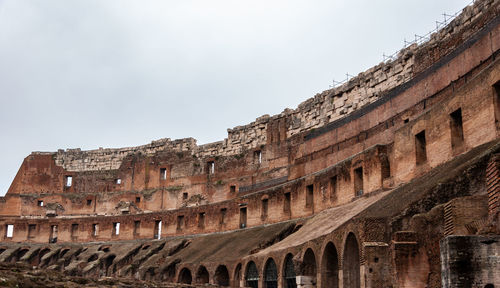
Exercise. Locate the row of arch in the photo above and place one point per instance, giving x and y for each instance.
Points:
(328, 273)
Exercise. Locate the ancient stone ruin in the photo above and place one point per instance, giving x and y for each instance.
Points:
(390, 180)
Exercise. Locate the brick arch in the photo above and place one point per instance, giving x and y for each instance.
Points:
(185, 276)
(329, 265)
(287, 268)
(202, 276)
(308, 265)
(237, 275)
(221, 276)
(251, 275)
(270, 273)
(351, 262)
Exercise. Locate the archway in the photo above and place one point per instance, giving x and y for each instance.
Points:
(237, 276)
(289, 273)
(350, 264)
(252, 275)
(270, 274)
(185, 276)
(309, 263)
(202, 275)
(330, 267)
(221, 276)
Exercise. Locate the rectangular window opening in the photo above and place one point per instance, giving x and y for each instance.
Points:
(180, 222)
(457, 130)
(265, 204)
(31, 230)
(40, 203)
(184, 196)
(163, 173)
(286, 203)
(137, 227)
(232, 188)
(257, 156)
(118, 181)
(68, 181)
(358, 181)
(211, 167)
(243, 217)
(420, 148)
(53, 234)
(137, 199)
(309, 195)
(116, 228)
(95, 229)
(9, 230)
(201, 220)
(89, 202)
(333, 188)
(496, 88)
(223, 212)
(157, 229)
(74, 231)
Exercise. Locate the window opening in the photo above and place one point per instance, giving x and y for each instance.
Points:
(211, 167)
(265, 204)
(333, 188)
(180, 222)
(116, 228)
(40, 203)
(223, 212)
(286, 203)
(257, 156)
(243, 217)
(163, 173)
(137, 199)
(157, 229)
(457, 130)
(69, 181)
(89, 202)
(95, 229)
(137, 227)
(420, 149)
(358, 181)
(232, 188)
(74, 231)
(184, 196)
(118, 181)
(201, 220)
(309, 195)
(31, 230)
(53, 234)
(9, 231)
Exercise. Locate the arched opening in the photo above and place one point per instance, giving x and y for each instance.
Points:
(237, 276)
(106, 264)
(350, 265)
(330, 267)
(289, 272)
(221, 276)
(202, 275)
(270, 274)
(168, 274)
(185, 276)
(252, 275)
(18, 255)
(309, 263)
(38, 260)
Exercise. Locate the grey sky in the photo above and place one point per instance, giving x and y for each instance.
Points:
(98, 73)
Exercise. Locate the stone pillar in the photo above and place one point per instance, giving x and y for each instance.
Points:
(306, 281)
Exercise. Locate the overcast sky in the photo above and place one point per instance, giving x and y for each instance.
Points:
(98, 73)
